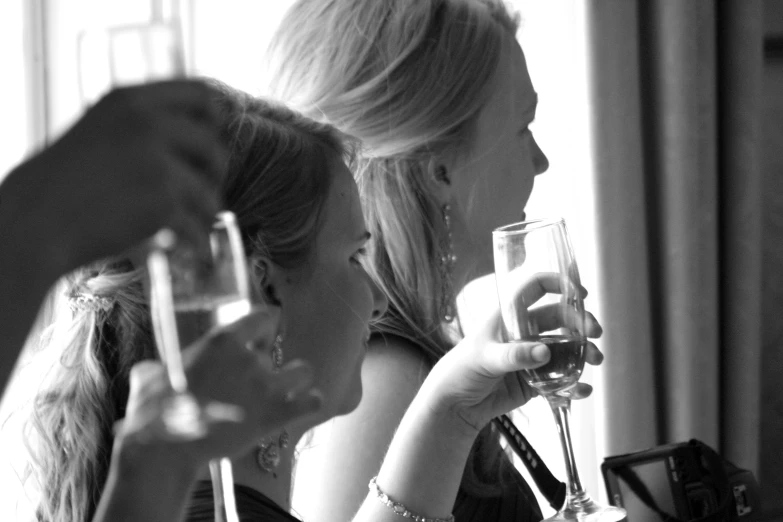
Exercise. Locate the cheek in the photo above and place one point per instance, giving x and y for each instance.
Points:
(499, 198)
(344, 312)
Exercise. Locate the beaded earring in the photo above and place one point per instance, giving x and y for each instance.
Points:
(446, 264)
(268, 454)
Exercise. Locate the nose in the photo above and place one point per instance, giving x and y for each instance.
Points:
(540, 161)
(379, 300)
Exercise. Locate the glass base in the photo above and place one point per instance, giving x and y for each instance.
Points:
(582, 508)
(183, 417)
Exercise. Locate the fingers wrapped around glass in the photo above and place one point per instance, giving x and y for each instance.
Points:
(194, 288)
(542, 300)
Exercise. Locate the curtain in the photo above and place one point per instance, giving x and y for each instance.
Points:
(674, 90)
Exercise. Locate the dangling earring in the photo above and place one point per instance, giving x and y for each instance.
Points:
(277, 354)
(446, 267)
(268, 454)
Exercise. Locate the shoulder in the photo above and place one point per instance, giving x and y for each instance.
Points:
(392, 373)
(356, 443)
(395, 360)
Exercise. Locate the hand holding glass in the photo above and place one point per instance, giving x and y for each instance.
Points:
(193, 292)
(129, 54)
(540, 252)
(189, 293)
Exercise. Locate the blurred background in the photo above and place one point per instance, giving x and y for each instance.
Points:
(663, 124)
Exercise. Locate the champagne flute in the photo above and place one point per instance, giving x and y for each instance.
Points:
(147, 52)
(128, 54)
(193, 292)
(540, 250)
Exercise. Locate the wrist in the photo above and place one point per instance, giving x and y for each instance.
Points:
(424, 465)
(446, 411)
(153, 463)
(147, 481)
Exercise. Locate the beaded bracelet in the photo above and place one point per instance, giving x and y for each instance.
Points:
(400, 509)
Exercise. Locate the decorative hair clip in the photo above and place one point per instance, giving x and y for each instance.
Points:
(89, 303)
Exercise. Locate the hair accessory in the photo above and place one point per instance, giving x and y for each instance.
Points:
(400, 509)
(268, 454)
(446, 266)
(89, 303)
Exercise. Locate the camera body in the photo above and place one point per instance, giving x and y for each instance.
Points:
(685, 481)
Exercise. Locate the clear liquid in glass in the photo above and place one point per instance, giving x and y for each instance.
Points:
(566, 361)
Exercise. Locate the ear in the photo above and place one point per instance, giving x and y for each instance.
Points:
(265, 279)
(440, 179)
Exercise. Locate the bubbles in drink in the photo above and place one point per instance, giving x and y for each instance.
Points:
(567, 359)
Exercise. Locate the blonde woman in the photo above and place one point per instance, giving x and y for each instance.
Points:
(439, 95)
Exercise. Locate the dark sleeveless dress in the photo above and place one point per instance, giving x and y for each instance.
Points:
(516, 503)
(252, 505)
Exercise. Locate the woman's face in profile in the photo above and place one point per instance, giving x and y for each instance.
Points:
(493, 180)
(327, 304)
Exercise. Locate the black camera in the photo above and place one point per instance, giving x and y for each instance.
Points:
(681, 482)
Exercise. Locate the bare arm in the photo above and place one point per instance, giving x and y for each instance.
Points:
(476, 381)
(26, 272)
(146, 482)
(140, 159)
(151, 473)
(423, 468)
(355, 444)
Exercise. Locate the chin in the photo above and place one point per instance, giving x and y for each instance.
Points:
(353, 397)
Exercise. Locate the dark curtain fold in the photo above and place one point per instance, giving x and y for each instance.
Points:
(740, 89)
(674, 90)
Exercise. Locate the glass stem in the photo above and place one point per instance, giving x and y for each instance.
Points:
(223, 490)
(561, 408)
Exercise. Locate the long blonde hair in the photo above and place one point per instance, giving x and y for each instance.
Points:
(408, 79)
(276, 183)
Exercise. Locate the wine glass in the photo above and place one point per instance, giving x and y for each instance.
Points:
(535, 264)
(128, 54)
(192, 292)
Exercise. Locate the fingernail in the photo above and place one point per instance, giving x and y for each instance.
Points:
(596, 327)
(540, 353)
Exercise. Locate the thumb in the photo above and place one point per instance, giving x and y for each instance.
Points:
(502, 358)
(144, 371)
